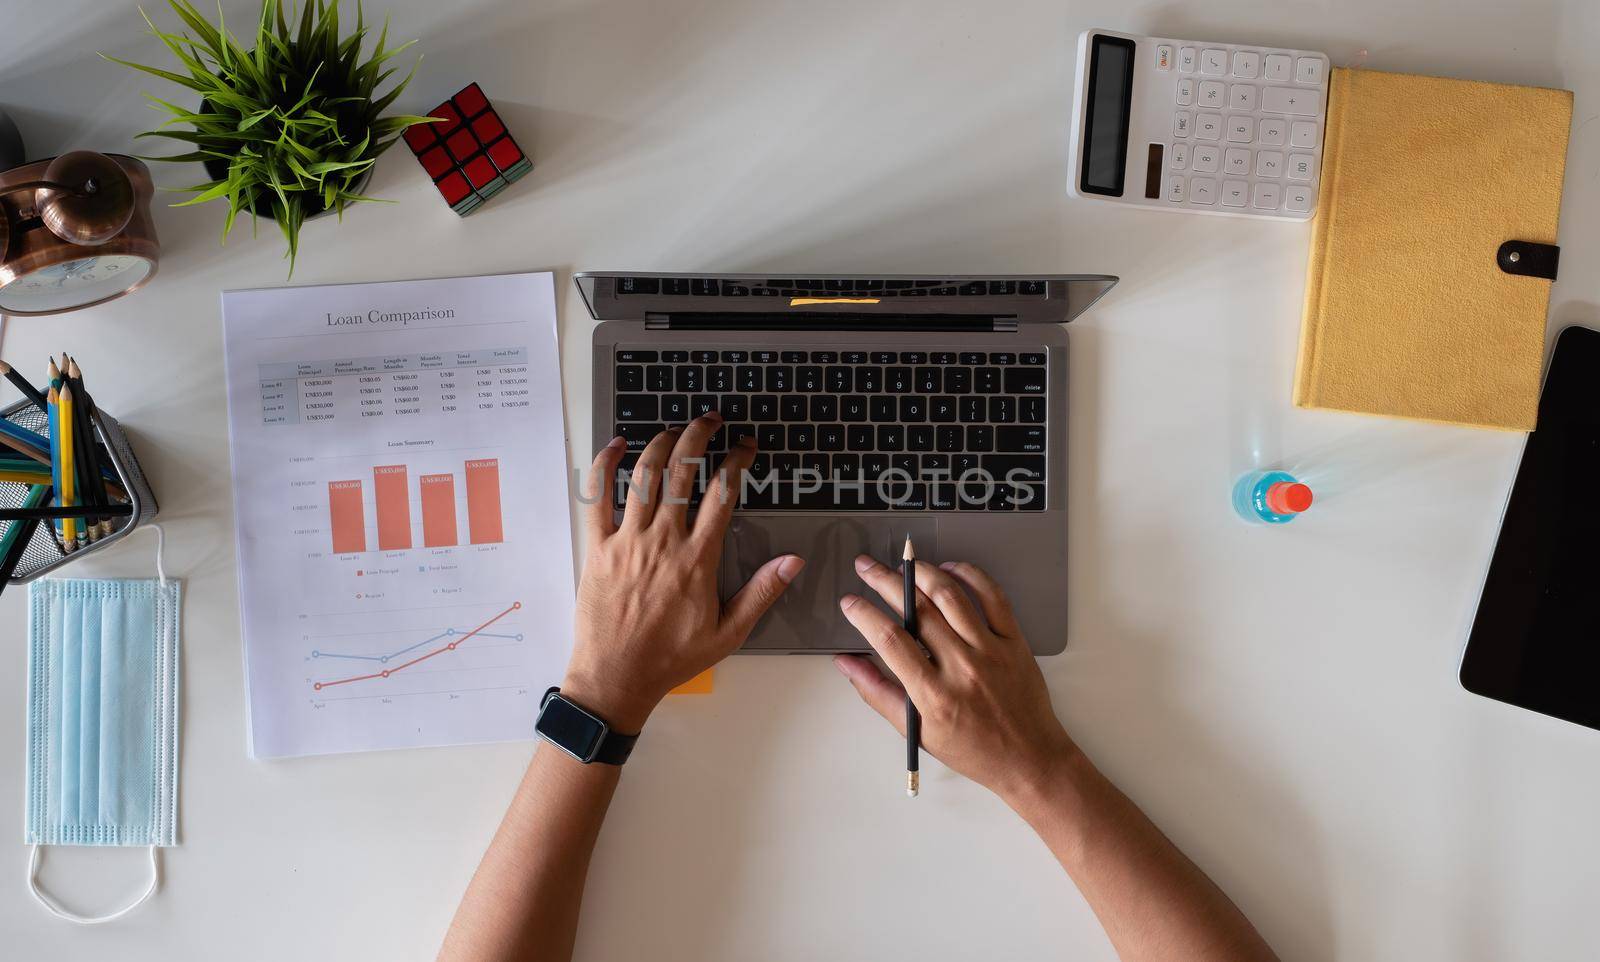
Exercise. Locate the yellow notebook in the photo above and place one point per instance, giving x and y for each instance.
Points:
(1410, 310)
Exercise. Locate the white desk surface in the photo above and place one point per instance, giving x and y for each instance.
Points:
(1282, 702)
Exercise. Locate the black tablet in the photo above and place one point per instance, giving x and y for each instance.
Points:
(1536, 639)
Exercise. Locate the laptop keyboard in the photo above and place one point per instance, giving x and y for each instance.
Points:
(823, 287)
(855, 430)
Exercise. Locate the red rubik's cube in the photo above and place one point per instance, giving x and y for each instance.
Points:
(468, 153)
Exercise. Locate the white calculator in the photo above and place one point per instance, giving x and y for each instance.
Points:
(1216, 128)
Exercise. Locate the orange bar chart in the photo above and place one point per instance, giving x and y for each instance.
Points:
(438, 510)
(483, 501)
(344, 517)
(394, 507)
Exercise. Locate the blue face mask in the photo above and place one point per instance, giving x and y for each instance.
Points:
(102, 718)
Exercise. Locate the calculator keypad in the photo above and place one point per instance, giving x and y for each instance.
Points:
(1246, 128)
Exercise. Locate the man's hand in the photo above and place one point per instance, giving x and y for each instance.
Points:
(649, 617)
(985, 709)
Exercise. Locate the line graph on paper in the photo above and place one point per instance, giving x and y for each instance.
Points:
(412, 656)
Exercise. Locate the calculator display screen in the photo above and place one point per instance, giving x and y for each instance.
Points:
(1105, 127)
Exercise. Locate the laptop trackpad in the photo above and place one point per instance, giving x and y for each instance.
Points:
(807, 616)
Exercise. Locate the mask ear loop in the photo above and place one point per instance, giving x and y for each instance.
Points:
(55, 908)
(161, 547)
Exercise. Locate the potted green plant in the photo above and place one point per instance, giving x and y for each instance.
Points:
(288, 128)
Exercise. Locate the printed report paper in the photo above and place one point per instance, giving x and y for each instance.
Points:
(401, 510)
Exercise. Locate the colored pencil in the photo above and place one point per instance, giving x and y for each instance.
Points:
(82, 438)
(37, 496)
(53, 417)
(69, 464)
(913, 717)
(23, 384)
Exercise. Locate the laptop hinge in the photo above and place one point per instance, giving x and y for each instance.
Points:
(869, 323)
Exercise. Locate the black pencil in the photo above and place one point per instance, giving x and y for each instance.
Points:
(24, 385)
(88, 452)
(65, 511)
(913, 717)
(8, 566)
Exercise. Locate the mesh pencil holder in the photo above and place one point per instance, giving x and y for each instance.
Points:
(44, 552)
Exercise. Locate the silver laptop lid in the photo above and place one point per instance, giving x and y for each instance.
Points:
(802, 301)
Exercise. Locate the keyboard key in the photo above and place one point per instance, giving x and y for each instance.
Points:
(1032, 410)
(942, 357)
(1203, 190)
(780, 378)
(898, 380)
(1002, 410)
(873, 466)
(1187, 60)
(737, 432)
(719, 378)
(1277, 67)
(1177, 190)
(919, 437)
(674, 407)
(973, 410)
(638, 407)
(1302, 166)
(884, 357)
(1287, 100)
(1235, 193)
(1032, 357)
(637, 434)
(882, 409)
(913, 357)
(950, 438)
(974, 289)
(1015, 468)
(733, 407)
(703, 287)
(986, 380)
(1002, 288)
(942, 409)
(638, 285)
(854, 357)
(1002, 357)
(972, 357)
(1212, 93)
(927, 380)
(1185, 92)
(830, 437)
(1241, 129)
(1237, 161)
(1303, 133)
(764, 357)
(792, 407)
(769, 437)
(764, 407)
(1246, 64)
(838, 379)
(1299, 198)
(869, 380)
(1269, 163)
(941, 497)
(808, 378)
(1271, 131)
(958, 380)
(630, 377)
(913, 408)
(980, 437)
(1182, 123)
(637, 357)
(1265, 197)
(793, 357)
(689, 377)
(703, 357)
(1213, 62)
(941, 292)
(847, 466)
(1022, 438)
(802, 437)
(675, 357)
(735, 357)
(1242, 97)
(1022, 380)
(1308, 70)
(853, 408)
(891, 437)
(658, 377)
(908, 496)
(1206, 159)
(1164, 56)
(824, 357)
(860, 437)
(824, 407)
(674, 285)
(702, 404)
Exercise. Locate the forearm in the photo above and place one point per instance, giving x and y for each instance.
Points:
(1155, 904)
(523, 901)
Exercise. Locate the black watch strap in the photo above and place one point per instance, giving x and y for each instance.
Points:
(614, 747)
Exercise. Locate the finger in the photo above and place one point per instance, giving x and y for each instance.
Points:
(996, 606)
(717, 506)
(946, 594)
(763, 589)
(897, 649)
(684, 467)
(644, 487)
(883, 694)
(932, 629)
(600, 514)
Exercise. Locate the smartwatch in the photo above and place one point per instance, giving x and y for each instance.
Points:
(579, 732)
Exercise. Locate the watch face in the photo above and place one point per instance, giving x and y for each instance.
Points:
(571, 729)
(74, 283)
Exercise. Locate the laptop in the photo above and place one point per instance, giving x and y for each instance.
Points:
(883, 406)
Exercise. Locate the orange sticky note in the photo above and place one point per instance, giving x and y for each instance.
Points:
(700, 684)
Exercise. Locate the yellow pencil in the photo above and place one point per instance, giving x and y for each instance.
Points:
(69, 486)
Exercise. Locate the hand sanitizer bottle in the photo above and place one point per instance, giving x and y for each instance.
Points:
(1270, 497)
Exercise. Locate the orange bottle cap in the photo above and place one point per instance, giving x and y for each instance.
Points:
(1288, 498)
